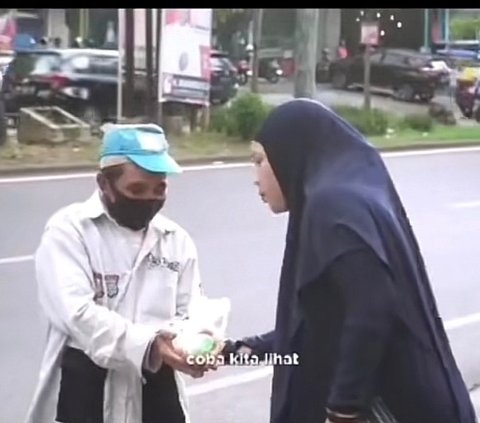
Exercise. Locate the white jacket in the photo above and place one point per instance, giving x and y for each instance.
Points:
(94, 301)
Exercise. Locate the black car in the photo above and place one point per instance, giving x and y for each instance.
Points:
(407, 73)
(223, 78)
(82, 81)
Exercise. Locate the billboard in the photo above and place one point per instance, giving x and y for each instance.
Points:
(185, 56)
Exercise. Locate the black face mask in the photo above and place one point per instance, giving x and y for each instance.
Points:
(132, 213)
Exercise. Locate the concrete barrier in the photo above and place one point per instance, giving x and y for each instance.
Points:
(50, 125)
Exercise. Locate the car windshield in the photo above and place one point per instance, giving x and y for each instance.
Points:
(34, 63)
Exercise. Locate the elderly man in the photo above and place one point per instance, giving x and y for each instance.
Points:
(116, 281)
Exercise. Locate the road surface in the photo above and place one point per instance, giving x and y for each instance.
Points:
(240, 246)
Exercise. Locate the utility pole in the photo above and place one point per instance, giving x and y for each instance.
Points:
(129, 60)
(257, 38)
(370, 24)
(306, 33)
(149, 63)
(158, 81)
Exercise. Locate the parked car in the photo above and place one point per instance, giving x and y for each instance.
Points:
(5, 58)
(223, 78)
(406, 73)
(84, 82)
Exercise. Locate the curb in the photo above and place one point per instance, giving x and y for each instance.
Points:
(91, 167)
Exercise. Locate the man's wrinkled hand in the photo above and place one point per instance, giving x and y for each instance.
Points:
(175, 358)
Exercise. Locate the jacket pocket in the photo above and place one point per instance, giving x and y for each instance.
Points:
(80, 399)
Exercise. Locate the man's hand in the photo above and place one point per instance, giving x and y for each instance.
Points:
(164, 350)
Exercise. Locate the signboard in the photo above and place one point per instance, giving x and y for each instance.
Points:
(185, 56)
(370, 33)
(7, 32)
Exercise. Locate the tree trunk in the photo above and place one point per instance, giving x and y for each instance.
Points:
(306, 32)
(129, 62)
(150, 98)
(257, 38)
(158, 81)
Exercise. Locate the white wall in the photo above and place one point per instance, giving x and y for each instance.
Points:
(328, 30)
(56, 25)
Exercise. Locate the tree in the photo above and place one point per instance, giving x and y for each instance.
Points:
(257, 37)
(465, 29)
(306, 32)
(222, 16)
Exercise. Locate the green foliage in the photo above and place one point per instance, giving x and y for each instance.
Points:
(418, 122)
(374, 122)
(465, 29)
(243, 118)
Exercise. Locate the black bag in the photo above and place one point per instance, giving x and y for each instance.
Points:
(380, 413)
(81, 395)
(80, 399)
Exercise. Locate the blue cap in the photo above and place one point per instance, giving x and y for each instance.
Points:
(145, 145)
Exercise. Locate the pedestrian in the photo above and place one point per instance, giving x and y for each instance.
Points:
(57, 42)
(116, 280)
(355, 302)
(342, 52)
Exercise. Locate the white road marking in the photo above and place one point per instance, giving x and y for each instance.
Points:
(460, 322)
(89, 175)
(466, 205)
(14, 260)
(217, 165)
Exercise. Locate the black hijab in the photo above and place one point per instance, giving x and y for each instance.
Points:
(332, 177)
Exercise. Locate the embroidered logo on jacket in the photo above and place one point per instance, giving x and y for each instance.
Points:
(153, 261)
(108, 283)
(111, 283)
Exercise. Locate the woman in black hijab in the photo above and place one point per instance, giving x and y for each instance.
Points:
(355, 300)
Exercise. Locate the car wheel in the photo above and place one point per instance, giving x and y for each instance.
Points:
(339, 80)
(477, 114)
(404, 92)
(426, 97)
(93, 116)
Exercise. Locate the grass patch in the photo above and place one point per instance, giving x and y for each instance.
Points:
(194, 146)
(211, 145)
(440, 134)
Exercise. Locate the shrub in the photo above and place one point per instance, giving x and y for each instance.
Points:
(374, 122)
(418, 122)
(246, 115)
(219, 119)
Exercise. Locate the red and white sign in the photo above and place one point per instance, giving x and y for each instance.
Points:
(370, 33)
(185, 55)
(8, 31)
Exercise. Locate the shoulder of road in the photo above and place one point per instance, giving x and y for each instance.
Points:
(86, 166)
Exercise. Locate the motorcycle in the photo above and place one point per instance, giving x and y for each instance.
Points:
(467, 95)
(322, 72)
(270, 70)
(243, 72)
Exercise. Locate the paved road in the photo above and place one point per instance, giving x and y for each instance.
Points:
(279, 93)
(240, 246)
